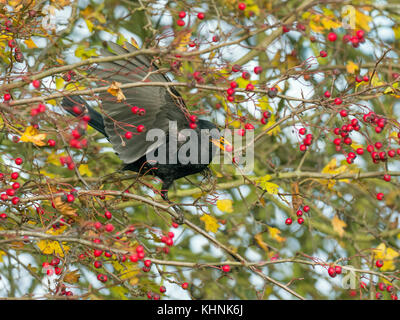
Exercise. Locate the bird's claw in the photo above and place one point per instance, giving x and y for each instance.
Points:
(180, 219)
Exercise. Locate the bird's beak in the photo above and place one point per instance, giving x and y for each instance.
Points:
(221, 143)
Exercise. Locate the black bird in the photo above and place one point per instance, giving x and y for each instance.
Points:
(162, 104)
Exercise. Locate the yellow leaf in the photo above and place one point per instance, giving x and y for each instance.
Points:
(269, 124)
(127, 271)
(362, 20)
(2, 253)
(84, 170)
(387, 255)
(225, 205)
(351, 67)
(31, 134)
(338, 225)
(30, 44)
(396, 31)
(89, 25)
(355, 146)
(72, 277)
(264, 183)
(59, 83)
(52, 247)
(116, 91)
(260, 242)
(211, 224)
(331, 168)
(275, 234)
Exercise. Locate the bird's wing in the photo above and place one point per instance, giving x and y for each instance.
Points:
(160, 106)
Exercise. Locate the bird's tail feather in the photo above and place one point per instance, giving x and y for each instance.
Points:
(96, 120)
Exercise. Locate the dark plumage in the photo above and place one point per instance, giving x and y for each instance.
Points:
(162, 104)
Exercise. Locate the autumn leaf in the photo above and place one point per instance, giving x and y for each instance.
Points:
(2, 253)
(275, 234)
(225, 205)
(116, 91)
(85, 171)
(211, 224)
(31, 134)
(72, 277)
(64, 208)
(260, 242)
(264, 183)
(127, 271)
(387, 255)
(30, 44)
(338, 225)
(333, 169)
(351, 67)
(362, 20)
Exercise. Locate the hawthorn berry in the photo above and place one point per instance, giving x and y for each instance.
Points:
(332, 272)
(288, 221)
(241, 6)
(180, 22)
(300, 220)
(226, 268)
(200, 15)
(323, 53)
(36, 84)
(332, 36)
(128, 135)
(379, 263)
(185, 285)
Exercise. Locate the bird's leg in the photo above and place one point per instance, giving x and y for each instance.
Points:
(164, 194)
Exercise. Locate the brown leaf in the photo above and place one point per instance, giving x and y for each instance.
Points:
(72, 277)
(116, 91)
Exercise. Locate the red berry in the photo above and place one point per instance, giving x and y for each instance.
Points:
(242, 6)
(15, 185)
(226, 268)
(51, 143)
(15, 201)
(365, 78)
(379, 196)
(180, 22)
(108, 215)
(36, 84)
(14, 175)
(302, 131)
(200, 15)
(332, 272)
(7, 97)
(343, 113)
(327, 94)
(250, 87)
(128, 135)
(140, 128)
(98, 264)
(70, 198)
(300, 220)
(258, 70)
(109, 227)
(338, 269)
(97, 252)
(249, 126)
(185, 285)
(360, 151)
(133, 257)
(323, 53)
(299, 213)
(147, 263)
(387, 177)
(182, 14)
(360, 34)
(332, 36)
(379, 263)
(288, 221)
(306, 208)
(338, 101)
